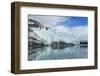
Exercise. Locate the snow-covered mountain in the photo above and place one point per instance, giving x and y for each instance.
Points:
(41, 34)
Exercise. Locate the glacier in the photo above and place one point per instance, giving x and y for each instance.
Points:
(41, 34)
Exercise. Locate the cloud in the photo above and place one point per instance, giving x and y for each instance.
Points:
(49, 21)
(80, 32)
(60, 28)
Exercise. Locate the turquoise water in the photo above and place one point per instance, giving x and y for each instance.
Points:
(47, 53)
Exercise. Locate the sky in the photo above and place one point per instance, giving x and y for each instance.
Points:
(74, 21)
(78, 26)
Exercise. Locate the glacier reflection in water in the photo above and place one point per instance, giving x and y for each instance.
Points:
(47, 53)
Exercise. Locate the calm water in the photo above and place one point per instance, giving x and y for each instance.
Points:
(47, 53)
